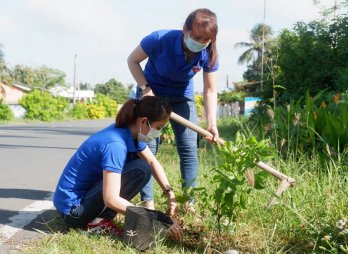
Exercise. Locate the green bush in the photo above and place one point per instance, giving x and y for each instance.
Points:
(229, 187)
(167, 135)
(79, 111)
(315, 123)
(113, 89)
(310, 56)
(102, 107)
(109, 105)
(95, 111)
(5, 112)
(43, 106)
(232, 96)
(199, 104)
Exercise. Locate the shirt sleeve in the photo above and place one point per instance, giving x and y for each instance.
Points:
(114, 157)
(150, 44)
(140, 146)
(206, 66)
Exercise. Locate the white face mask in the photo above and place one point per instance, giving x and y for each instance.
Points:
(193, 45)
(152, 134)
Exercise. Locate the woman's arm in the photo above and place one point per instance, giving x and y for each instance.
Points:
(210, 102)
(161, 178)
(112, 199)
(111, 192)
(134, 59)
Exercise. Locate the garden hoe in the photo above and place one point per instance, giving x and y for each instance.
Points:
(286, 181)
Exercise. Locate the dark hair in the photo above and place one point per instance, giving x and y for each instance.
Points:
(207, 19)
(152, 107)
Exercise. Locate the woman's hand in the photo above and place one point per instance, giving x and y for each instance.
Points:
(172, 206)
(176, 231)
(213, 130)
(148, 92)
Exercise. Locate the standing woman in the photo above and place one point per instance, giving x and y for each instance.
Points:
(111, 167)
(174, 57)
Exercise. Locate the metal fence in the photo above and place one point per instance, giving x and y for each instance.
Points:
(229, 109)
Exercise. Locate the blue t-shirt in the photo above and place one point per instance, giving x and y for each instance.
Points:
(166, 70)
(104, 150)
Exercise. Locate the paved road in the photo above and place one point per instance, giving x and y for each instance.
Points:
(32, 157)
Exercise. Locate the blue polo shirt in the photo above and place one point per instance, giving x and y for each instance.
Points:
(166, 70)
(104, 150)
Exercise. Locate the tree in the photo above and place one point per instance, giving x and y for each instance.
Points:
(43, 77)
(114, 89)
(5, 73)
(254, 47)
(85, 86)
(48, 77)
(260, 38)
(313, 56)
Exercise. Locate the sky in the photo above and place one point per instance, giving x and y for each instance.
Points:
(104, 32)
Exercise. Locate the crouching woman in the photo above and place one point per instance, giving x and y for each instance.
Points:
(112, 166)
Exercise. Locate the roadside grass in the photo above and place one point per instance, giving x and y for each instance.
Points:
(304, 215)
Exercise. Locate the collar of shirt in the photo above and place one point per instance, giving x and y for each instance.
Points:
(179, 44)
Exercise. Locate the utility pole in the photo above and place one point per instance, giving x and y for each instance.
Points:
(227, 82)
(263, 42)
(74, 81)
(335, 9)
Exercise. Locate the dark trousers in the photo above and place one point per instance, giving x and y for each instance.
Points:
(135, 175)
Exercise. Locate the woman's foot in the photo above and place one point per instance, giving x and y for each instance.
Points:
(149, 204)
(104, 226)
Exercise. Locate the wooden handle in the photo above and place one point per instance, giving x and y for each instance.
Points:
(275, 172)
(195, 127)
(220, 141)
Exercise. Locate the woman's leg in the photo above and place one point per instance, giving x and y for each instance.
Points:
(146, 193)
(134, 176)
(186, 142)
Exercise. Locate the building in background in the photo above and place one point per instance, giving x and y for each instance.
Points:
(68, 92)
(11, 96)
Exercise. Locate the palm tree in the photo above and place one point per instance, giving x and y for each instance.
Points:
(254, 52)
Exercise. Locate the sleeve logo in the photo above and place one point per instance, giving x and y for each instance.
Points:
(196, 69)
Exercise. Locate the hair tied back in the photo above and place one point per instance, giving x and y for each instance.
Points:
(136, 102)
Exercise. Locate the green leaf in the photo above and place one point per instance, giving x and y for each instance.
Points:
(182, 199)
(279, 86)
(218, 194)
(228, 199)
(252, 140)
(243, 200)
(260, 179)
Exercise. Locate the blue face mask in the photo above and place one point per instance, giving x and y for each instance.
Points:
(193, 45)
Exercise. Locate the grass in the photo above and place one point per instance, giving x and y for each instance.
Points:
(304, 215)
